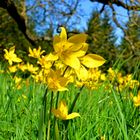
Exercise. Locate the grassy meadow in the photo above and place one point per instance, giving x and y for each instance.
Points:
(56, 98)
(105, 114)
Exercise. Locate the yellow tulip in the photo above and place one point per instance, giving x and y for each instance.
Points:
(11, 56)
(62, 112)
(70, 50)
(56, 82)
(35, 52)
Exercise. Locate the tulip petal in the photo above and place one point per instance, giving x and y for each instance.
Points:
(72, 61)
(12, 50)
(79, 38)
(63, 34)
(93, 60)
(56, 39)
(79, 49)
(82, 73)
(72, 116)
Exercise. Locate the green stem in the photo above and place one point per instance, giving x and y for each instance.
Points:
(49, 118)
(75, 99)
(57, 99)
(55, 121)
(42, 121)
(45, 112)
(70, 111)
(45, 103)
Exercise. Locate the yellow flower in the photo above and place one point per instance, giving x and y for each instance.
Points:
(62, 112)
(31, 68)
(136, 99)
(47, 60)
(56, 82)
(41, 75)
(12, 68)
(102, 137)
(35, 53)
(11, 56)
(70, 50)
(82, 73)
(103, 77)
(17, 82)
(22, 67)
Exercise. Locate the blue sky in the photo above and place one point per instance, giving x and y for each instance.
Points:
(88, 7)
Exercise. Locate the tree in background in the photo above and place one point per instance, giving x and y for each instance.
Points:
(131, 43)
(127, 4)
(49, 14)
(31, 23)
(31, 15)
(101, 38)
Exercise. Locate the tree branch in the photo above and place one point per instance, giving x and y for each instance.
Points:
(19, 19)
(118, 3)
(124, 31)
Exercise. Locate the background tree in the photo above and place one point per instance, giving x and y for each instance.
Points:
(32, 23)
(131, 43)
(51, 13)
(101, 38)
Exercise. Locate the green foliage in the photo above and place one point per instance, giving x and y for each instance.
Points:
(130, 45)
(103, 112)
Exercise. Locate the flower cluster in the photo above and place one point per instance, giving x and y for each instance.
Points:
(122, 82)
(68, 63)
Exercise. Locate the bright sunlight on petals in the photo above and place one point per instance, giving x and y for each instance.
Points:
(92, 60)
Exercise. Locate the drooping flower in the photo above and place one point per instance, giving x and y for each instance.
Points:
(36, 53)
(56, 82)
(11, 56)
(62, 112)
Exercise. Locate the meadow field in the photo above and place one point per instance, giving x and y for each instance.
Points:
(65, 96)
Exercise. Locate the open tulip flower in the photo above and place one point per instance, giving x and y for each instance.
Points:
(11, 56)
(35, 52)
(69, 50)
(72, 51)
(56, 82)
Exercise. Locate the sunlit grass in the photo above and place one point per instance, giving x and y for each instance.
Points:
(104, 112)
(64, 96)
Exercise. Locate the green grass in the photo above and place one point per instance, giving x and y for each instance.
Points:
(104, 112)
